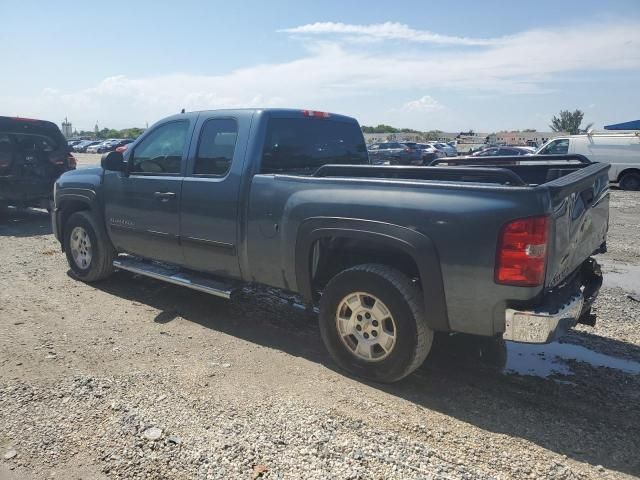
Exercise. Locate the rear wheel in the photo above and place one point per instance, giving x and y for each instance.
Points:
(630, 181)
(373, 323)
(88, 249)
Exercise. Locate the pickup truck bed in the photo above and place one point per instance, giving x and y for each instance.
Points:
(391, 254)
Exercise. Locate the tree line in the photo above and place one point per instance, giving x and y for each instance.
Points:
(133, 132)
(566, 121)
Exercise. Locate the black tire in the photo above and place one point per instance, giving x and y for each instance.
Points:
(630, 181)
(102, 252)
(403, 300)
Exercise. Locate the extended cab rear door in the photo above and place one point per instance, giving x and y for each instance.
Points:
(209, 221)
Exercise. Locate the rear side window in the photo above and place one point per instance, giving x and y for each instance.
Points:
(216, 146)
(303, 145)
(509, 151)
(161, 151)
(34, 143)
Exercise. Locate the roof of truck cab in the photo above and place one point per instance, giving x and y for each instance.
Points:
(250, 111)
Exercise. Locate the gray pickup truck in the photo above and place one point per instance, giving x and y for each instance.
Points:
(214, 200)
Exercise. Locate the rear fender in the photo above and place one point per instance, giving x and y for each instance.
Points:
(417, 245)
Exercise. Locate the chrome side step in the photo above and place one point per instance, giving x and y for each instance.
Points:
(174, 275)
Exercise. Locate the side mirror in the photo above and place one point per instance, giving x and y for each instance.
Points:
(113, 161)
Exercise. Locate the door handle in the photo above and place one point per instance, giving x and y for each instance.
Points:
(164, 195)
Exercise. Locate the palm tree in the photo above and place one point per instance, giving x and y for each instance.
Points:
(569, 122)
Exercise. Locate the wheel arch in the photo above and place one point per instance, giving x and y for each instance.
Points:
(627, 171)
(67, 205)
(392, 238)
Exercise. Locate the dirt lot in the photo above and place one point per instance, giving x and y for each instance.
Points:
(134, 378)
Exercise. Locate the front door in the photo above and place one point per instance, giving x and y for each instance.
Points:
(210, 194)
(142, 205)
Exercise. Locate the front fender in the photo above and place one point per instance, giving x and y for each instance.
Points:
(75, 190)
(417, 245)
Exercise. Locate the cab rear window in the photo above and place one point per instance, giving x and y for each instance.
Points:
(301, 146)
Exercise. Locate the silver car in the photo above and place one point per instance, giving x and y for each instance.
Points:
(449, 150)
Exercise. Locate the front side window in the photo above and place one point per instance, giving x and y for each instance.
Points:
(216, 147)
(303, 145)
(161, 151)
(557, 147)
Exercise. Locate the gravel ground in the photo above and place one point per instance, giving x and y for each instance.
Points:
(136, 379)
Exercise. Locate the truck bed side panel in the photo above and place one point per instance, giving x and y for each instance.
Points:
(462, 221)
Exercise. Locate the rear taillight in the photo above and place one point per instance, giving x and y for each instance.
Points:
(522, 252)
(71, 161)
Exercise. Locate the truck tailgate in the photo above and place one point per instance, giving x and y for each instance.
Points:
(580, 203)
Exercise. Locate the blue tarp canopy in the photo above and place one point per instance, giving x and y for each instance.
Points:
(632, 125)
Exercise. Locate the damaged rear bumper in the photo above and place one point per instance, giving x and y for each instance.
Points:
(558, 311)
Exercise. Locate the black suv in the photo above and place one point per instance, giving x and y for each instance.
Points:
(33, 154)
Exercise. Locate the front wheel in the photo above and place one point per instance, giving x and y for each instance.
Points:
(88, 249)
(373, 323)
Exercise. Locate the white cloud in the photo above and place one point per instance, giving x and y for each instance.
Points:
(423, 104)
(331, 75)
(387, 31)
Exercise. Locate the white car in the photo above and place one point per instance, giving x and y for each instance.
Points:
(94, 148)
(448, 150)
(621, 150)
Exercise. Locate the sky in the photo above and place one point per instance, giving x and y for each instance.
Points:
(448, 65)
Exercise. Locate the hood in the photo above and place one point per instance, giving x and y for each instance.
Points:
(84, 178)
(88, 170)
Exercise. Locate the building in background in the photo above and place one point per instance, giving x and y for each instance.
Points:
(67, 129)
(535, 139)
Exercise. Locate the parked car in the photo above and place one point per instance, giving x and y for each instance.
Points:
(428, 153)
(394, 153)
(502, 152)
(33, 154)
(108, 146)
(93, 148)
(100, 146)
(82, 146)
(287, 198)
(620, 150)
(449, 150)
(119, 144)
